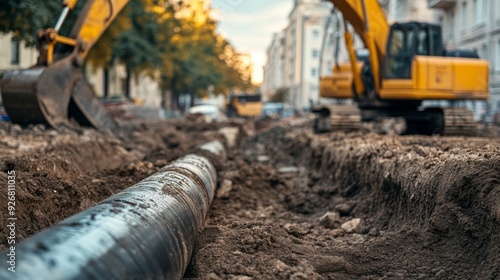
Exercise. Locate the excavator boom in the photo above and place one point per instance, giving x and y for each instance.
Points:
(354, 12)
(94, 19)
(370, 24)
(54, 92)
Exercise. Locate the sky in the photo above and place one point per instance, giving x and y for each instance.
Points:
(249, 25)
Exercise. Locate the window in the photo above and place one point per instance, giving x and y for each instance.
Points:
(464, 16)
(314, 71)
(315, 33)
(423, 43)
(398, 60)
(479, 11)
(14, 52)
(315, 53)
(452, 26)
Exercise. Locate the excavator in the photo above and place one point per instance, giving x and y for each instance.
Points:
(54, 92)
(244, 105)
(407, 64)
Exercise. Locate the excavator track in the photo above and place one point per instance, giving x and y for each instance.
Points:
(345, 118)
(459, 122)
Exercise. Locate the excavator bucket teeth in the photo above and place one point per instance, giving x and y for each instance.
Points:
(52, 96)
(86, 109)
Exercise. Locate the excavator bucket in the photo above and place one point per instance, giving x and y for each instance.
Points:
(56, 95)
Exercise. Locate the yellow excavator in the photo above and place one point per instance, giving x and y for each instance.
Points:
(54, 92)
(407, 64)
(244, 105)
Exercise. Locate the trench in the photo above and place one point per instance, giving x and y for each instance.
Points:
(429, 206)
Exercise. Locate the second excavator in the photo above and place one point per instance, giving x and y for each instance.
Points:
(407, 64)
(54, 92)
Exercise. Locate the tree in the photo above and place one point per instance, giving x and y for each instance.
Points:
(280, 95)
(25, 17)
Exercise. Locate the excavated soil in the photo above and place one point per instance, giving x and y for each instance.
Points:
(289, 204)
(354, 206)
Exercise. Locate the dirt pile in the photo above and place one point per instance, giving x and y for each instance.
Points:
(59, 173)
(355, 206)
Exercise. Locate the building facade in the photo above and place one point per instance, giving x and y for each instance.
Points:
(273, 69)
(475, 24)
(303, 42)
(14, 54)
(409, 10)
(293, 58)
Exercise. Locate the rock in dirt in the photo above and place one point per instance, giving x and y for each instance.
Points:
(288, 169)
(338, 232)
(325, 264)
(225, 189)
(263, 158)
(330, 220)
(231, 134)
(356, 225)
(373, 232)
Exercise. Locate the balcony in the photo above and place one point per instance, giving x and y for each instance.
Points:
(441, 4)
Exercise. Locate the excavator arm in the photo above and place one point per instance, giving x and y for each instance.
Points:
(55, 92)
(370, 24)
(94, 19)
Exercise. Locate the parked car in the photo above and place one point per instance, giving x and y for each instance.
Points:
(272, 110)
(210, 113)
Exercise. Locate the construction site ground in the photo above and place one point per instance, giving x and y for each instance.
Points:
(290, 204)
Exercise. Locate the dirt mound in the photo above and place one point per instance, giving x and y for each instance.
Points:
(351, 206)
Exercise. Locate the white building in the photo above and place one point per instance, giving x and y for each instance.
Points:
(143, 89)
(303, 40)
(409, 10)
(14, 54)
(474, 24)
(273, 69)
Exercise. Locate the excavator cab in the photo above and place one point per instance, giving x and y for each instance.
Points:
(407, 40)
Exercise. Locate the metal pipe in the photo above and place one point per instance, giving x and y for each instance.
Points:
(61, 18)
(214, 147)
(147, 231)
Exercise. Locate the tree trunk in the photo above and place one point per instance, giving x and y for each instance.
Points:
(128, 78)
(106, 82)
(174, 101)
(192, 94)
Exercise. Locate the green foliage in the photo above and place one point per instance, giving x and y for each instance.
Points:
(25, 17)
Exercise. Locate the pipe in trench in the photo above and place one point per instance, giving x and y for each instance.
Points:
(147, 231)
